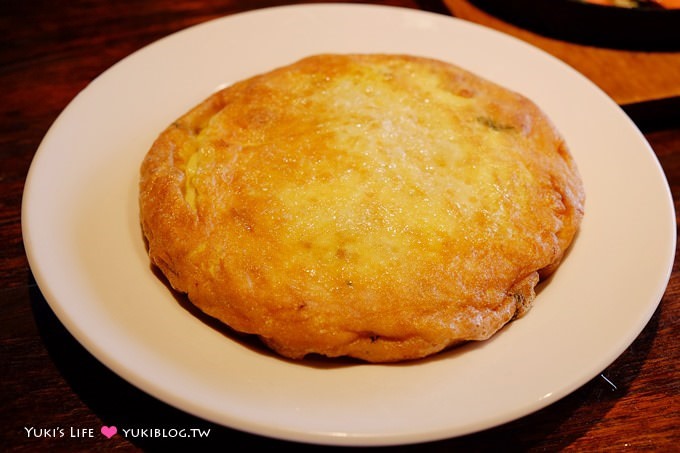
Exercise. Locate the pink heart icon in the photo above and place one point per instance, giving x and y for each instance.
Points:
(109, 431)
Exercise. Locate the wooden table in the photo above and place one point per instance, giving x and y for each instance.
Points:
(52, 50)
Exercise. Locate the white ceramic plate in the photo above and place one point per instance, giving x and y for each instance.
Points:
(86, 251)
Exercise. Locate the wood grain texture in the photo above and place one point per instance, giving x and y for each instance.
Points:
(52, 50)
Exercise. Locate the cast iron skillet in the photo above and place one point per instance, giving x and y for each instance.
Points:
(641, 28)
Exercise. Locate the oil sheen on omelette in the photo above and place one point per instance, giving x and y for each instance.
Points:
(381, 207)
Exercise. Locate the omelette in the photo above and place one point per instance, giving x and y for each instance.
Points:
(376, 206)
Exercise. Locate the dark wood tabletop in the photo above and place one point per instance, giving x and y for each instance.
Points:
(51, 385)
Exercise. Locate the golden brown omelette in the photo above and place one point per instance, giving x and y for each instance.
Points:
(383, 207)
